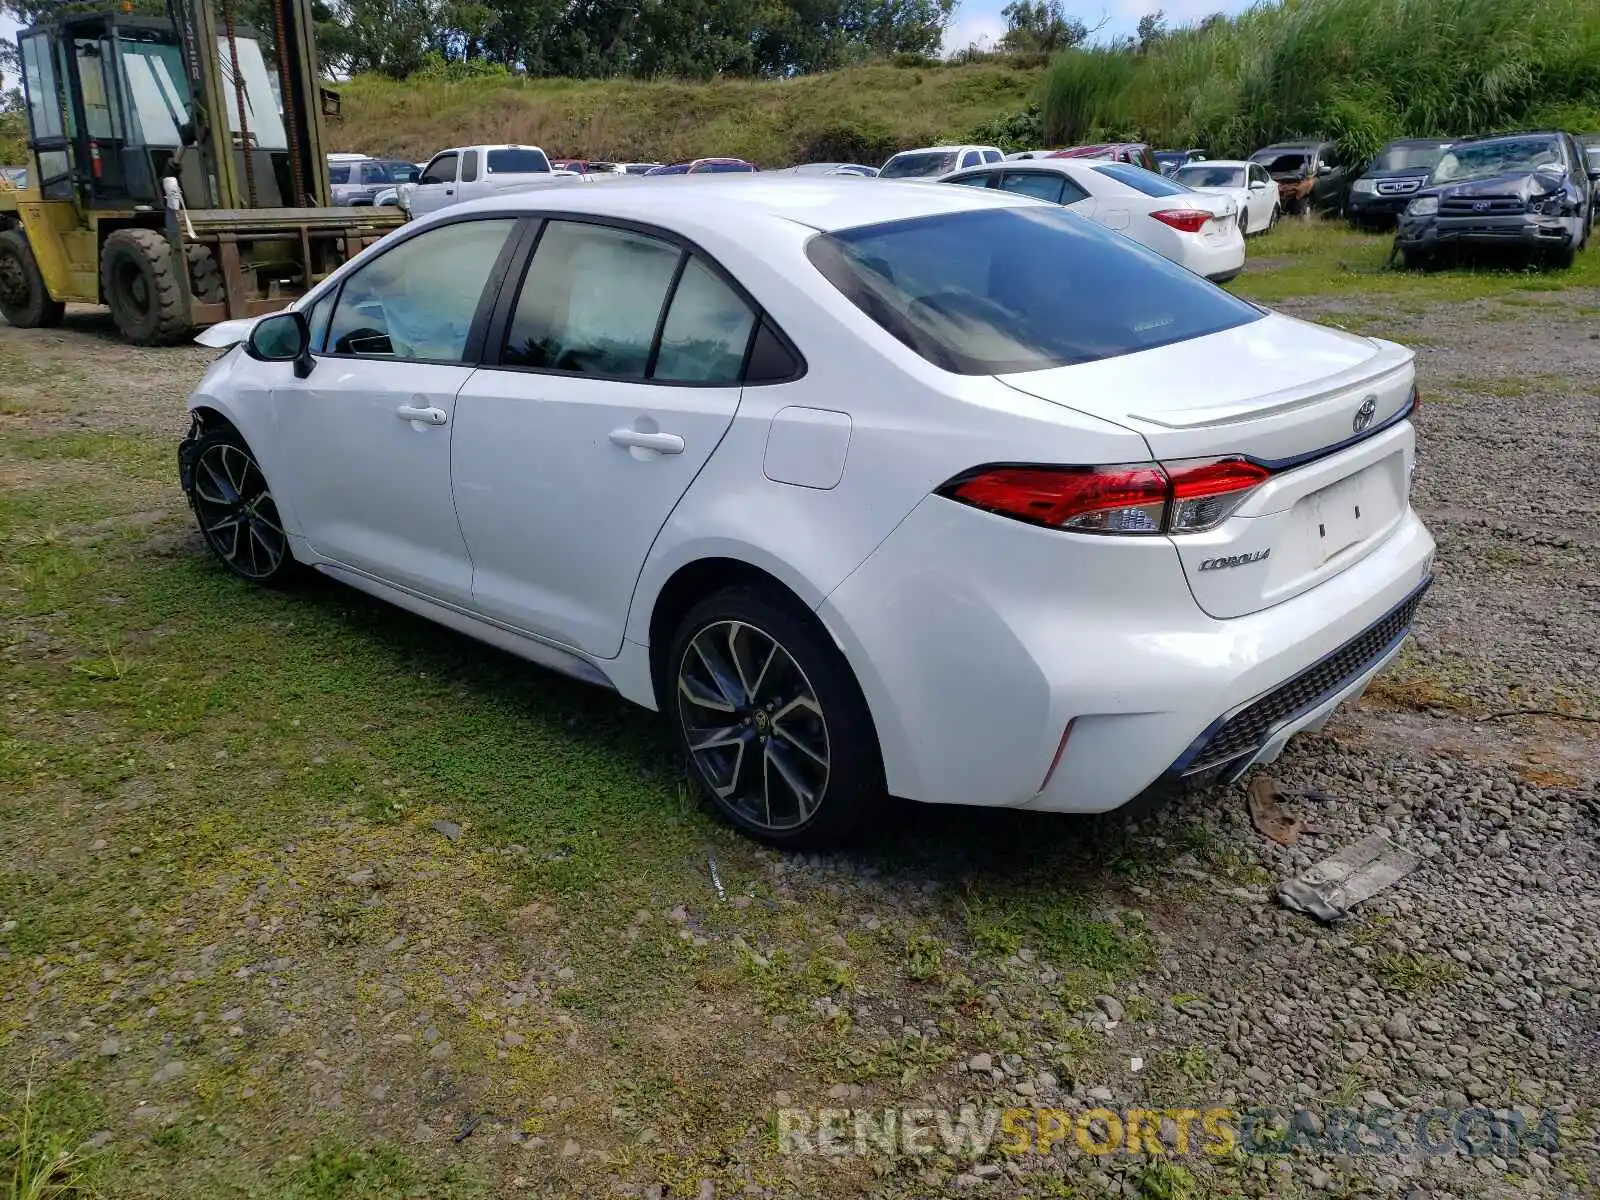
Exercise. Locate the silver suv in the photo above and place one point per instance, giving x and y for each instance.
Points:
(359, 181)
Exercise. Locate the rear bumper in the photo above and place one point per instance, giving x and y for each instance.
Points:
(1518, 229)
(1217, 261)
(978, 640)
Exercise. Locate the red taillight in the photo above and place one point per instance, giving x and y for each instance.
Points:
(1138, 498)
(1187, 220)
(1089, 499)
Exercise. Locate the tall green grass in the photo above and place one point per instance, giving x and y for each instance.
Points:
(1360, 71)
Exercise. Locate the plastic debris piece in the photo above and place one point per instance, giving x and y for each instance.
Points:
(716, 877)
(1331, 889)
(1267, 815)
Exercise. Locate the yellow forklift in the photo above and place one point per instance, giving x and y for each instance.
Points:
(167, 178)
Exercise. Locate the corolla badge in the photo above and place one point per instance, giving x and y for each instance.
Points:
(1235, 560)
(1364, 414)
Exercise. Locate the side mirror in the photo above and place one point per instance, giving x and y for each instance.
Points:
(1324, 168)
(282, 337)
(1257, 185)
(1594, 174)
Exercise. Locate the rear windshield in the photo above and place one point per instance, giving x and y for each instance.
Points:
(720, 168)
(1198, 175)
(339, 173)
(919, 165)
(1141, 180)
(1400, 158)
(992, 291)
(517, 162)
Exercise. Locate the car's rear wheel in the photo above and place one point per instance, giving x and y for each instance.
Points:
(770, 716)
(233, 505)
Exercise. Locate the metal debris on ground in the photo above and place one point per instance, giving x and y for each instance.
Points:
(472, 1122)
(716, 877)
(1267, 815)
(1331, 889)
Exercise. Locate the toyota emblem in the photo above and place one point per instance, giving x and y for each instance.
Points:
(1480, 206)
(1364, 414)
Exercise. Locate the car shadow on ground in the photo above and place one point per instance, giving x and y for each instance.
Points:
(911, 844)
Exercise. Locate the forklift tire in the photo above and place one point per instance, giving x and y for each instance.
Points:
(23, 298)
(142, 289)
(205, 277)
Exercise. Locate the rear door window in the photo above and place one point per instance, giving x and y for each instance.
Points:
(1042, 185)
(469, 167)
(992, 291)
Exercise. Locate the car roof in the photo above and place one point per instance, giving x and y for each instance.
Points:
(1503, 137)
(1427, 141)
(1309, 144)
(1220, 162)
(941, 149)
(823, 202)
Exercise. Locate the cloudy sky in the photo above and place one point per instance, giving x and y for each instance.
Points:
(980, 20)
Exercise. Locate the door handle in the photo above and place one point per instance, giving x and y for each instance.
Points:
(449, 191)
(427, 416)
(635, 439)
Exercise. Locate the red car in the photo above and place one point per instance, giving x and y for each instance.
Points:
(1136, 153)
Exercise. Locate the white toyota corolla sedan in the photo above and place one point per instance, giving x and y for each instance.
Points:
(1194, 229)
(937, 492)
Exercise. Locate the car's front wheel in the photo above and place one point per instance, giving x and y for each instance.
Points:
(771, 718)
(234, 508)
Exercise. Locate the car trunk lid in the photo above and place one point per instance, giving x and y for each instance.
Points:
(1320, 408)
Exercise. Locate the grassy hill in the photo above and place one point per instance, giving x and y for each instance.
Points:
(861, 114)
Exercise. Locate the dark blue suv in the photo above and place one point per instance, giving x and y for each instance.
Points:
(1531, 191)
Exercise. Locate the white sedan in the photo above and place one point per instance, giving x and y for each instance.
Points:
(1193, 229)
(925, 491)
(1247, 184)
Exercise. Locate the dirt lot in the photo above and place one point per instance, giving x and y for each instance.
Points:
(304, 898)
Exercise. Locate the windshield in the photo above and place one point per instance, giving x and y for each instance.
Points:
(920, 164)
(518, 162)
(720, 168)
(1215, 177)
(1400, 158)
(1141, 180)
(990, 291)
(1280, 165)
(404, 172)
(1482, 159)
(158, 91)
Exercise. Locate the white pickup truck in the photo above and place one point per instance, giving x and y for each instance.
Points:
(472, 172)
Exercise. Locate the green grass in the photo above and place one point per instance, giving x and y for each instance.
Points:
(858, 114)
(1361, 71)
(1324, 258)
(1411, 973)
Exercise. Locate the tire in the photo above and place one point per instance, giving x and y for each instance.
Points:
(817, 774)
(1272, 220)
(1415, 260)
(1244, 224)
(23, 298)
(233, 505)
(1563, 258)
(141, 288)
(205, 277)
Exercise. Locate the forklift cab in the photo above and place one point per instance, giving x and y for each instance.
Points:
(108, 112)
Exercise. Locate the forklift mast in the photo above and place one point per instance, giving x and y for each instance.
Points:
(209, 40)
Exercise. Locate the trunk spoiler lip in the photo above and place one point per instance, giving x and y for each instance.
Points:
(1361, 375)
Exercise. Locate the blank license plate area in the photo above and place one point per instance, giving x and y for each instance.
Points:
(1346, 513)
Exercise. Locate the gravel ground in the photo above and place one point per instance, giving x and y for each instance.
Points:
(1472, 984)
